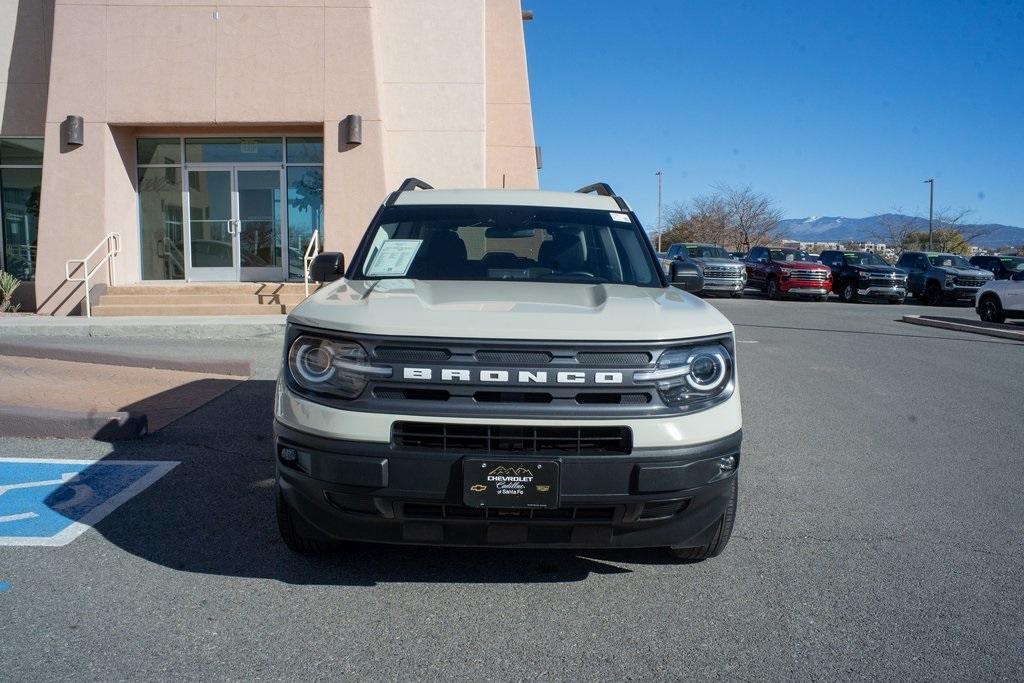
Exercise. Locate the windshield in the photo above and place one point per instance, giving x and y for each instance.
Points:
(949, 261)
(701, 251)
(508, 243)
(864, 258)
(792, 255)
(1012, 262)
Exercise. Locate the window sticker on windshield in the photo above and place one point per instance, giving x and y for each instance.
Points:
(394, 258)
(620, 217)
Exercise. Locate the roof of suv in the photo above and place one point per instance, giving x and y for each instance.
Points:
(570, 200)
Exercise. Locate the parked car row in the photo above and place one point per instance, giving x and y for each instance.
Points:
(932, 277)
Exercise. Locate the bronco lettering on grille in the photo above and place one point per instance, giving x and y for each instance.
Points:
(514, 376)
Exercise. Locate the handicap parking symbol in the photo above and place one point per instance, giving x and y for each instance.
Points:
(51, 502)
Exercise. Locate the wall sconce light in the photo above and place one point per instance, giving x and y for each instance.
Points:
(73, 131)
(540, 157)
(352, 129)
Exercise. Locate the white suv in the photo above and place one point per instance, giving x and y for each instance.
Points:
(507, 367)
(1001, 299)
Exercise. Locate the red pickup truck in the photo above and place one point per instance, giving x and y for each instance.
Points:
(779, 271)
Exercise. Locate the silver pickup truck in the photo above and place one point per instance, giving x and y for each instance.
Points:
(722, 273)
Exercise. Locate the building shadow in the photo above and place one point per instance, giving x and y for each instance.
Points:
(214, 514)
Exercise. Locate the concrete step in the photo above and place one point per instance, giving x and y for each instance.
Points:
(188, 298)
(171, 309)
(262, 288)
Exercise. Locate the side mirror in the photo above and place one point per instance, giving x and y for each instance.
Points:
(327, 267)
(762, 259)
(688, 276)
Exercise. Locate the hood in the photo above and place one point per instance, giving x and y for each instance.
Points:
(965, 272)
(801, 265)
(881, 270)
(510, 310)
(719, 262)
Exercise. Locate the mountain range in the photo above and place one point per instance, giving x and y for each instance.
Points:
(869, 229)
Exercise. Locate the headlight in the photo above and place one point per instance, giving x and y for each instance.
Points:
(950, 279)
(786, 271)
(692, 378)
(329, 366)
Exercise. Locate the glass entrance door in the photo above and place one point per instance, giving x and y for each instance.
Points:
(212, 250)
(259, 223)
(235, 224)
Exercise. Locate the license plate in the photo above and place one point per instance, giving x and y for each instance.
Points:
(510, 483)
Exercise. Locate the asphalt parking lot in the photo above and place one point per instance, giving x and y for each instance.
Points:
(880, 535)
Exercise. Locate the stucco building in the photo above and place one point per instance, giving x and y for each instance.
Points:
(214, 137)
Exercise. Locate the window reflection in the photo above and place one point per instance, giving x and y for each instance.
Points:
(305, 213)
(162, 232)
(20, 195)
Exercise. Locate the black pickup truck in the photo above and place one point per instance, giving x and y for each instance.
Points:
(864, 275)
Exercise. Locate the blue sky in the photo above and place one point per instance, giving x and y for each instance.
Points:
(833, 108)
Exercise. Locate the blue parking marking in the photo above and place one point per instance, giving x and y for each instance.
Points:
(52, 502)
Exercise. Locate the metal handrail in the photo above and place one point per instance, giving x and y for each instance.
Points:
(112, 243)
(312, 249)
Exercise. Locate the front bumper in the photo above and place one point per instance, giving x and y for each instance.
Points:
(352, 490)
(724, 284)
(805, 290)
(896, 292)
(961, 292)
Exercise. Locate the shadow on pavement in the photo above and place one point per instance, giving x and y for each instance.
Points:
(214, 514)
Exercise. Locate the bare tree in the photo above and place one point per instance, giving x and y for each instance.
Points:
(753, 217)
(896, 230)
(704, 219)
(949, 232)
(735, 218)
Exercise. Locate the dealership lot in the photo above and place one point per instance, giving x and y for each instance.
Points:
(879, 534)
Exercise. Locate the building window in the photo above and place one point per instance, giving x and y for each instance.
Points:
(21, 175)
(253, 168)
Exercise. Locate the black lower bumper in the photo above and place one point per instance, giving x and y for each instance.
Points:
(348, 490)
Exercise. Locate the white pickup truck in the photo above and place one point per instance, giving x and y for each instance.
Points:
(507, 368)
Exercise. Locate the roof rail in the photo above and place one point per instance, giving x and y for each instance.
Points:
(605, 190)
(408, 185)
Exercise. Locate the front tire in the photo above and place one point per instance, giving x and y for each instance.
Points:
(293, 539)
(772, 288)
(933, 294)
(990, 311)
(848, 293)
(721, 536)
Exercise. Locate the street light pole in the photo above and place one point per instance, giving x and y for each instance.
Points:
(659, 209)
(931, 208)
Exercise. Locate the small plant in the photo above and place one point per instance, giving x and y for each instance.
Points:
(8, 283)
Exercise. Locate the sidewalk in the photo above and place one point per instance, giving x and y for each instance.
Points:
(178, 327)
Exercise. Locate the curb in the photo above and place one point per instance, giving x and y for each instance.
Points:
(99, 357)
(186, 327)
(52, 423)
(966, 326)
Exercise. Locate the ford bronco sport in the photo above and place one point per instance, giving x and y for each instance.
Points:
(507, 367)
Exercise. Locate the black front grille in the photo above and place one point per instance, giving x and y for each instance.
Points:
(969, 282)
(488, 439)
(399, 354)
(620, 359)
(526, 358)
